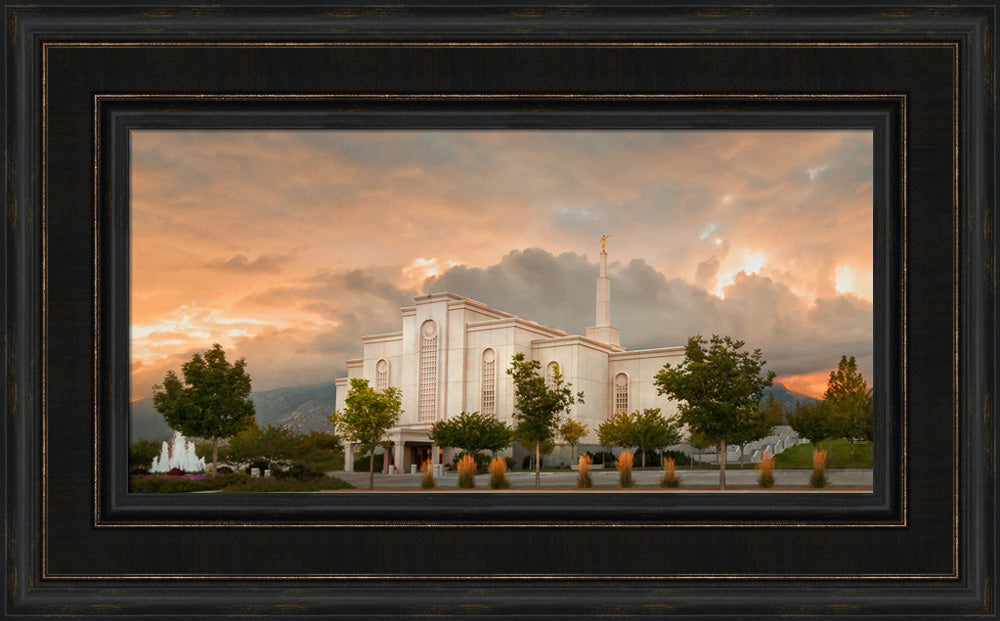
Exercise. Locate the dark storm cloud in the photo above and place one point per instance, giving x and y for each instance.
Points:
(654, 311)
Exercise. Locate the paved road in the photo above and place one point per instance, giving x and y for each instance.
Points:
(839, 478)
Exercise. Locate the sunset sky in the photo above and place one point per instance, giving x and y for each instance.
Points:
(286, 247)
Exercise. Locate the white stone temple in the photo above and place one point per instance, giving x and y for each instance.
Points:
(452, 355)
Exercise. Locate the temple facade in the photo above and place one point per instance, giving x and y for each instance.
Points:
(452, 353)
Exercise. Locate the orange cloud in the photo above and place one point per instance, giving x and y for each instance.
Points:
(812, 384)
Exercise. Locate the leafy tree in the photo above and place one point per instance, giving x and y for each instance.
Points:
(646, 430)
(762, 426)
(572, 431)
(699, 442)
(141, 453)
(616, 430)
(650, 431)
(850, 400)
(719, 388)
(537, 407)
(368, 415)
(212, 403)
(473, 433)
(269, 444)
(814, 421)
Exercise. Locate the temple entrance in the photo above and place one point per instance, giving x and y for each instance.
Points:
(416, 453)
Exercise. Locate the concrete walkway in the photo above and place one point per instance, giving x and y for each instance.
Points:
(847, 479)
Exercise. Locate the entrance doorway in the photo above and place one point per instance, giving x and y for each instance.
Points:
(416, 453)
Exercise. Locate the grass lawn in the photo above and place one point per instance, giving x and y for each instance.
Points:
(840, 456)
(158, 483)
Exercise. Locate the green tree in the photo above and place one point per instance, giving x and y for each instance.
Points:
(773, 414)
(651, 431)
(616, 430)
(141, 453)
(572, 431)
(698, 442)
(472, 433)
(270, 444)
(537, 406)
(814, 421)
(719, 388)
(647, 430)
(850, 400)
(368, 415)
(213, 402)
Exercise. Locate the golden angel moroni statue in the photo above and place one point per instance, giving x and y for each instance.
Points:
(604, 241)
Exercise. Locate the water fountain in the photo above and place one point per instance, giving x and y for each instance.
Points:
(179, 453)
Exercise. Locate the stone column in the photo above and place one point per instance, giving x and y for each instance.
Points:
(436, 460)
(397, 454)
(348, 457)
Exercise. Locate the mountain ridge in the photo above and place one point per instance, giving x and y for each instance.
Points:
(301, 408)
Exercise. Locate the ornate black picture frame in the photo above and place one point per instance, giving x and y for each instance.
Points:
(80, 77)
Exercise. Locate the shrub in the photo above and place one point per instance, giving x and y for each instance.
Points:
(467, 472)
(680, 459)
(232, 483)
(244, 484)
(483, 462)
(224, 470)
(156, 484)
(510, 462)
(818, 477)
(651, 457)
(361, 463)
(427, 482)
(765, 468)
(669, 475)
(526, 463)
(583, 471)
(625, 470)
(176, 472)
(142, 452)
(600, 457)
(498, 473)
(139, 471)
(298, 471)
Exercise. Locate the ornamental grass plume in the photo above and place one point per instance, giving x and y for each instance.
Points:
(818, 478)
(765, 468)
(625, 470)
(583, 471)
(467, 472)
(669, 473)
(498, 473)
(428, 481)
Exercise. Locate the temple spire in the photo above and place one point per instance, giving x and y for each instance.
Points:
(603, 331)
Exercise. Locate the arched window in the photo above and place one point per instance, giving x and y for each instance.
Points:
(550, 374)
(489, 387)
(427, 399)
(381, 375)
(621, 393)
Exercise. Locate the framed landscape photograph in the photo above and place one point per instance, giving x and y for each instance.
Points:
(589, 311)
(286, 246)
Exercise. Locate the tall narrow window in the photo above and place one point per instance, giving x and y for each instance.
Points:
(550, 374)
(381, 375)
(427, 399)
(489, 404)
(621, 393)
